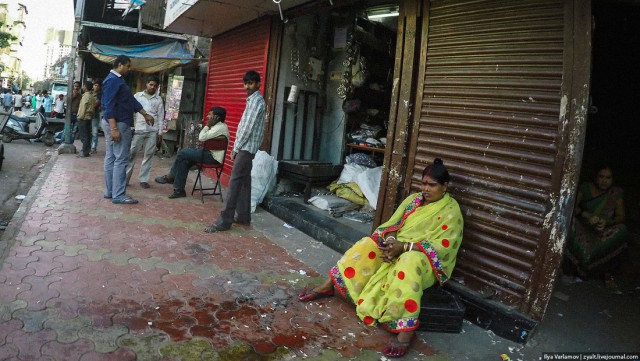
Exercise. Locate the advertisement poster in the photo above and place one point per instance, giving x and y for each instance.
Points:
(174, 94)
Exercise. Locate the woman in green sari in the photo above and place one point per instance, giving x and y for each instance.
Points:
(598, 234)
(384, 275)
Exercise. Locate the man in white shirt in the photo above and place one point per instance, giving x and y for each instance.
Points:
(187, 157)
(146, 135)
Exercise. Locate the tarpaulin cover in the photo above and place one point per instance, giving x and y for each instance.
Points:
(146, 58)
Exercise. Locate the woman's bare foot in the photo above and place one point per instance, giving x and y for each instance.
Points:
(400, 346)
(321, 291)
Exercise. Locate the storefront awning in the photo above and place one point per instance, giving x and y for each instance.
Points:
(146, 58)
(209, 18)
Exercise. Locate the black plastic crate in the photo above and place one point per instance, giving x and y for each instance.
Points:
(441, 311)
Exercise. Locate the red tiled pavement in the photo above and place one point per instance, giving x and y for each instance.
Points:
(85, 279)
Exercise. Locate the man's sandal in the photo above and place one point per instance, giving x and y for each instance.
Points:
(398, 349)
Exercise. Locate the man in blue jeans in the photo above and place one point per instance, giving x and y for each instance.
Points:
(118, 105)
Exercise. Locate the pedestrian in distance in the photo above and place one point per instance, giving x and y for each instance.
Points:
(187, 157)
(58, 107)
(146, 135)
(7, 100)
(248, 138)
(97, 116)
(17, 101)
(85, 115)
(118, 106)
(46, 103)
(76, 96)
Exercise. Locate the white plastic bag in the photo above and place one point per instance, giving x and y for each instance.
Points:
(327, 202)
(263, 177)
(369, 183)
(349, 172)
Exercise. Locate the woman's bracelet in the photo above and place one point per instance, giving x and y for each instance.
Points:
(411, 247)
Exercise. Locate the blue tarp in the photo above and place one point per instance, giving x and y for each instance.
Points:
(147, 58)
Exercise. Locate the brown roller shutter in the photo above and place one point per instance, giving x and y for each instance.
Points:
(491, 109)
(232, 55)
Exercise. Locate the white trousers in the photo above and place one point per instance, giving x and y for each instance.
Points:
(146, 141)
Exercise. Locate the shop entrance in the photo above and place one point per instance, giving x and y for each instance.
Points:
(612, 128)
(612, 137)
(332, 108)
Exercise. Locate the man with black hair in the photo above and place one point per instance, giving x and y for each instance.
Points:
(118, 106)
(187, 157)
(248, 139)
(146, 134)
(85, 114)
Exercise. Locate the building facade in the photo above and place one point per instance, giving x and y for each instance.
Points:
(12, 16)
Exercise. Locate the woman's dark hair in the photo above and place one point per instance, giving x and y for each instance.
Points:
(219, 111)
(121, 59)
(251, 76)
(437, 171)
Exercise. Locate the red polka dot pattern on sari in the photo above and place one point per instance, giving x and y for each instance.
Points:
(411, 305)
(360, 301)
(368, 320)
(445, 243)
(372, 255)
(401, 275)
(349, 272)
(444, 227)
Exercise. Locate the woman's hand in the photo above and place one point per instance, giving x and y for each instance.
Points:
(391, 249)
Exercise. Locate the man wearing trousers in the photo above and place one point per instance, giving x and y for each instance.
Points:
(118, 105)
(146, 135)
(248, 138)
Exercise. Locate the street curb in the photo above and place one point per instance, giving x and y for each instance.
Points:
(9, 236)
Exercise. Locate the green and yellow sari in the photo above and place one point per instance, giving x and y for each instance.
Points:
(390, 293)
(591, 250)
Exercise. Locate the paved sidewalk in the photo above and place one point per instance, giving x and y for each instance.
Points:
(84, 279)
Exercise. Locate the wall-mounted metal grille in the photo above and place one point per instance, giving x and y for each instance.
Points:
(491, 110)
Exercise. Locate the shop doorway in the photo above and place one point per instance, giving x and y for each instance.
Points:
(333, 100)
(613, 130)
(612, 136)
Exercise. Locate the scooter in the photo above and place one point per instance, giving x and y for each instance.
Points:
(17, 127)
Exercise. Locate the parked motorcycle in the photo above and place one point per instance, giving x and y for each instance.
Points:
(18, 127)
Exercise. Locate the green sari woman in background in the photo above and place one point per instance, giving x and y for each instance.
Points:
(384, 275)
(598, 234)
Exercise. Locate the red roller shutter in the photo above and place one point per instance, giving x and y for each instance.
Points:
(232, 55)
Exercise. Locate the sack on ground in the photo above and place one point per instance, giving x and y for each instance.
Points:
(263, 177)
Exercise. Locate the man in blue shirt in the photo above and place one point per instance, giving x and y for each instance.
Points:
(7, 100)
(118, 106)
(248, 139)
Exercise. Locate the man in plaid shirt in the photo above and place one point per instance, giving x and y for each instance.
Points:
(248, 138)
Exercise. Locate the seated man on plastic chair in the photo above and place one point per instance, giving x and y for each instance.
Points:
(188, 157)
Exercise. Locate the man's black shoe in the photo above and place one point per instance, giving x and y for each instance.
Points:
(178, 194)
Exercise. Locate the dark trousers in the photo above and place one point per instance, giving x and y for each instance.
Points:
(185, 159)
(84, 131)
(239, 192)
